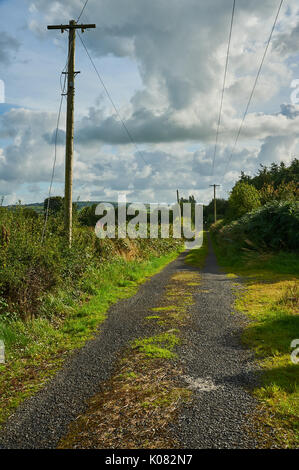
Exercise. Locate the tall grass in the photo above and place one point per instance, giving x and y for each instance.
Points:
(44, 279)
(52, 298)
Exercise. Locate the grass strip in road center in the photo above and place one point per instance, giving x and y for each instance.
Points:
(134, 409)
(36, 349)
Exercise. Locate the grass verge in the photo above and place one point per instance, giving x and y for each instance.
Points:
(271, 302)
(36, 349)
(197, 256)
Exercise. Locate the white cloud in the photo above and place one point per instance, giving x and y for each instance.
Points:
(179, 49)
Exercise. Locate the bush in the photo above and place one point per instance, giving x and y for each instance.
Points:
(28, 268)
(283, 192)
(208, 211)
(31, 271)
(55, 204)
(271, 227)
(243, 198)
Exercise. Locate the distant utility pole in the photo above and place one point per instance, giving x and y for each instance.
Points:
(177, 196)
(215, 209)
(69, 142)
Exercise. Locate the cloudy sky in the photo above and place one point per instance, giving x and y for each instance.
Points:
(163, 63)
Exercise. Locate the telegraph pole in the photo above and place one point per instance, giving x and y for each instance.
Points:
(177, 196)
(69, 140)
(215, 209)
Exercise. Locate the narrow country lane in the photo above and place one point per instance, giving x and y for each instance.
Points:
(220, 369)
(211, 362)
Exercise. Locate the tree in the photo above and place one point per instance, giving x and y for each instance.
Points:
(55, 206)
(87, 216)
(191, 200)
(208, 211)
(243, 198)
(275, 175)
(284, 192)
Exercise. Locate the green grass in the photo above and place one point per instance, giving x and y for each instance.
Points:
(36, 349)
(275, 323)
(161, 345)
(251, 262)
(197, 256)
(271, 301)
(147, 382)
(165, 309)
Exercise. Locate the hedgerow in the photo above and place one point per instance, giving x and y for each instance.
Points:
(272, 227)
(32, 270)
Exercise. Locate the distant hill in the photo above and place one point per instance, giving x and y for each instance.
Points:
(39, 206)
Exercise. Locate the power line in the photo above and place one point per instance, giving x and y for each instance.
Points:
(57, 128)
(223, 87)
(254, 86)
(53, 169)
(111, 101)
(55, 148)
(82, 11)
(55, 154)
(66, 64)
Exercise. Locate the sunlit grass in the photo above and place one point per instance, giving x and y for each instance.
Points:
(197, 256)
(161, 345)
(271, 302)
(35, 349)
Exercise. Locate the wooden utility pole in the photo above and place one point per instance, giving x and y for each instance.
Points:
(215, 209)
(177, 196)
(69, 141)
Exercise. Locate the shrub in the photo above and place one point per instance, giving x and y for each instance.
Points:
(243, 198)
(284, 192)
(55, 204)
(30, 270)
(271, 227)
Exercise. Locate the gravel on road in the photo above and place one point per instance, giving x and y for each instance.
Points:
(216, 367)
(219, 369)
(43, 419)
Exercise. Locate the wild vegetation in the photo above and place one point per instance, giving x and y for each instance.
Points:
(271, 185)
(262, 212)
(258, 240)
(33, 271)
(278, 176)
(208, 210)
(52, 297)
